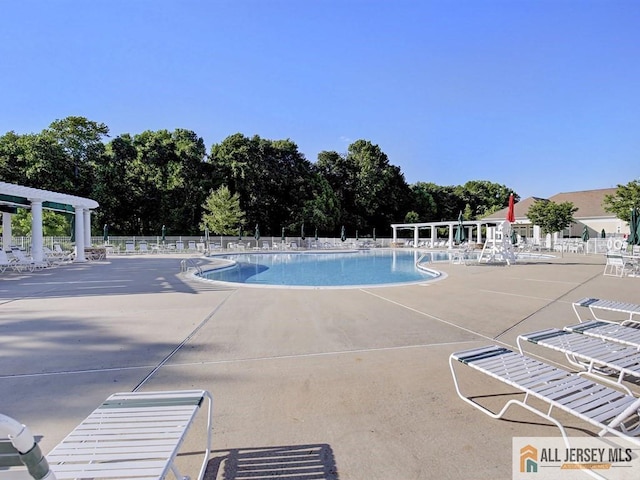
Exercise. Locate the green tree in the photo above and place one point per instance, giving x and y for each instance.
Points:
(11, 158)
(322, 209)
(412, 217)
(447, 203)
(222, 213)
(626, 197)
(340, 174)
(53, 223)
(483, 197)
(271, 177)
(381, 194)
(550, 216)
(113, 188)
(424, 203)
(81, 142)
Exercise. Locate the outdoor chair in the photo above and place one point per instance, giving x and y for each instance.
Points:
(6, 262)
(129, 247)
(609, 331)
(191, 246)
(616, 265)
(180, 246)
(594, 355)
(609, 410)
(131, 435)
(50, 257)
(142, 247)
(613, 306)
(27, 263)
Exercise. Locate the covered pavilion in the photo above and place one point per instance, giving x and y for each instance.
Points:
(470, 225)
(14, 196)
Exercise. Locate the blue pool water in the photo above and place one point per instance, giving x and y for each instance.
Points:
(310, 269)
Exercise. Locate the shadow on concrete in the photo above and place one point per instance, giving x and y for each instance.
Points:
(116, 276)
(293, 462)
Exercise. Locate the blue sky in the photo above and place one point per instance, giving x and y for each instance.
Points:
(541, 96)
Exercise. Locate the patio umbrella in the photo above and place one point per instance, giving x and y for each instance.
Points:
(105, 233)
(283, 235)
(73, 228)
(240, 232)
(357, 236)
(256, 235)
(343, 235)
(302, 231)
(585, 234)
(514, 237)
(163, 237)
(461, 236)
(633, 228)
(603, 234)
(374, 235)
(511, 216)
(206, 235)
(316, 235)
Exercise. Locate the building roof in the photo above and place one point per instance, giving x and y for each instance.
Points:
(19, 196)
(588, 202)
(520, 209)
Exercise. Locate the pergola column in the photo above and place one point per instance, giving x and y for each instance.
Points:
(37, 252)
(434, 235)
(416, 236)
(79, 219)
(479, 234)
(450, 235)
(394, 235)
(6, 231)
(87, 227)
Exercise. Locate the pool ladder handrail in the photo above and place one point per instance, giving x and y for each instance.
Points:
(188, 263)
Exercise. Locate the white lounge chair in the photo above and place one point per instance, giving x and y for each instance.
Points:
(608, 331)
(6, 262)
(129, 247)
(616, 265)
(131, 435)
(607, 409)
(595, 356)
(50, 257)
(180, 247)
(57, 249)
(593, 304)
(27, 262)
(143, 248)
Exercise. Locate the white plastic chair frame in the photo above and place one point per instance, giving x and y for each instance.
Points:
(604, 407)
(593, 304)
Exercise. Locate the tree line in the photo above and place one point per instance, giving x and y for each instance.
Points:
(154, 178)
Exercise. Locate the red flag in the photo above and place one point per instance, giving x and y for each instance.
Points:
(511, 216)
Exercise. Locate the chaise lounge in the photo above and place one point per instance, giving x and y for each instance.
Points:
(131, 435)
(609, 410)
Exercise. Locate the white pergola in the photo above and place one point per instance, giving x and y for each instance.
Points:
(450, 225)
(14, 196)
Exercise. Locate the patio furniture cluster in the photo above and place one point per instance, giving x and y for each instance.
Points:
(605, 351)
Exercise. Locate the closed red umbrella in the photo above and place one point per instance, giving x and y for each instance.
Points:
(511, 215)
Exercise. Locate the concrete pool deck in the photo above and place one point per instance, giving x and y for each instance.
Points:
(331, 384)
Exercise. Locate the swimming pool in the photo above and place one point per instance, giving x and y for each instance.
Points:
(331, 269)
